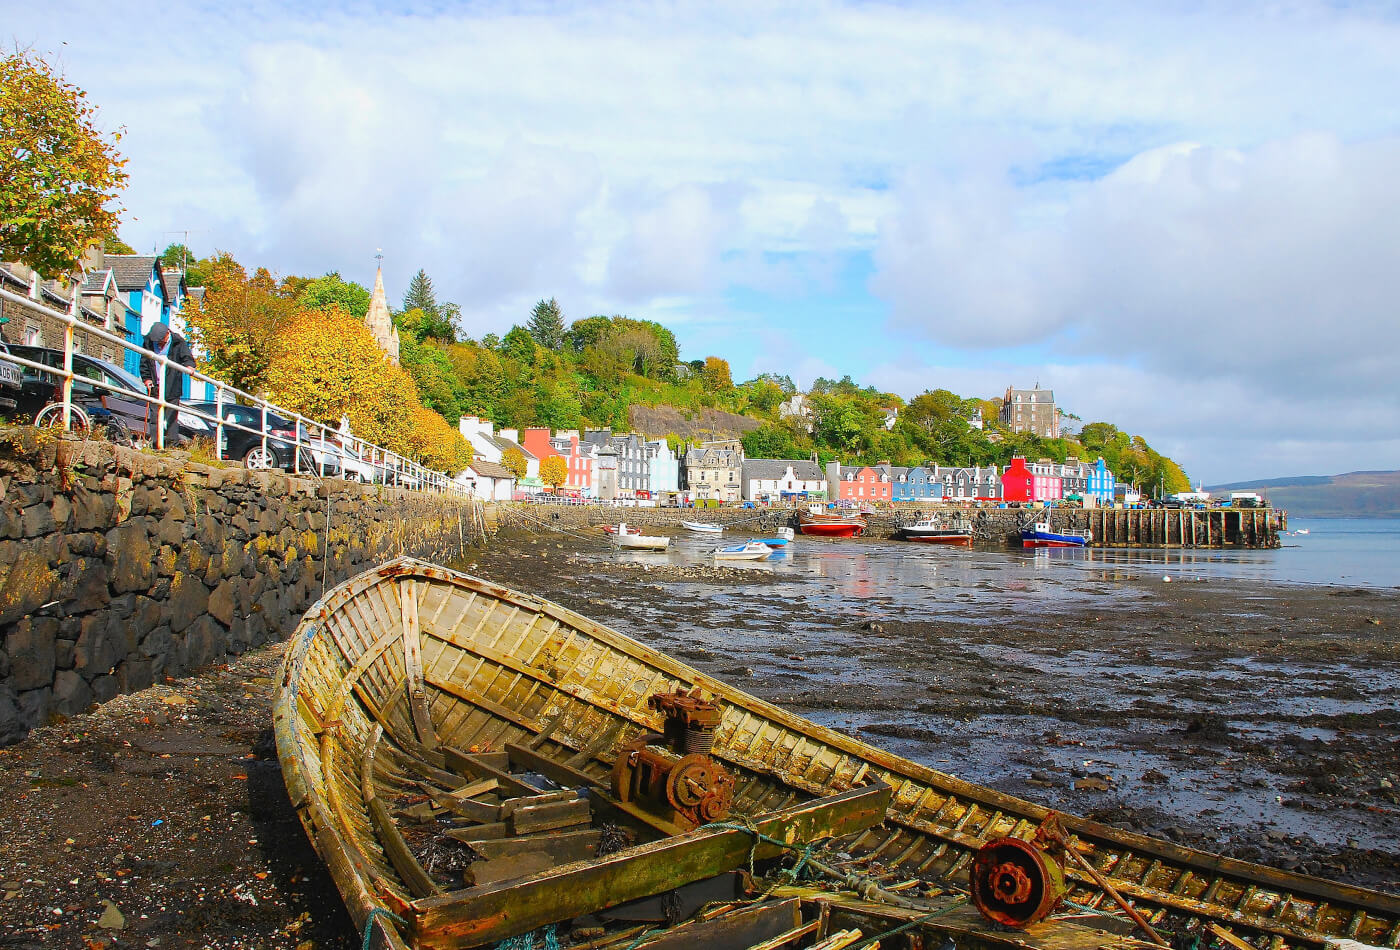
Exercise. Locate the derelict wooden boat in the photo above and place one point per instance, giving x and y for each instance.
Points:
(424, 715)
(824, 524)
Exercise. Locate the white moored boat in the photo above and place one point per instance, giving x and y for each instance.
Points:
(633, 539)
(701, 527)
(749, 551)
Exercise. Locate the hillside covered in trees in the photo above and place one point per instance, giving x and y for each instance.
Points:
(591, 372)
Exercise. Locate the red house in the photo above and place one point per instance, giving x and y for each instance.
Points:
(536, 442)
(580, 457)
(1034, 482)
(858, 483)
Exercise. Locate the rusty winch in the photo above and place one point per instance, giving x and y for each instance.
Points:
(1016, 882)
(673, 773)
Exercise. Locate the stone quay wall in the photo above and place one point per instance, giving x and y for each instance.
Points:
(1258, 527)
(119, 568)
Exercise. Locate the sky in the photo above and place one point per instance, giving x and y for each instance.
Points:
(1182, 217)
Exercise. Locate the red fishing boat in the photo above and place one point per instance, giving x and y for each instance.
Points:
(825, 524)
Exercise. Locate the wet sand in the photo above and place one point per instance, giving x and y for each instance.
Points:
(1257, 721)
(1260, 721)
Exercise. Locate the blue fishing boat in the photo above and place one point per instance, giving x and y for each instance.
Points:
(784, 536)
(1039, 535)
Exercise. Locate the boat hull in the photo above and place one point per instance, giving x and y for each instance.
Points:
(955, 538)
(414, 660)
(1049, 539)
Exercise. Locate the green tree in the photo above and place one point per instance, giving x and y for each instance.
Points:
(513, 461)
(438, 384)
(554, 472)
(60, 174)
(423, 315)
(771, 442)
(330, 291)
(112, 244)
(547, 324)
(196, 270)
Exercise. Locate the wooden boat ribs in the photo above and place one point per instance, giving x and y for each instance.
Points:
(412, 668)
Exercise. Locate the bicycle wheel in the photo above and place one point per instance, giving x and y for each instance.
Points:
(51, 417)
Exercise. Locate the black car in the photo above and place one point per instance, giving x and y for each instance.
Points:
(116, 406)
(247, 447)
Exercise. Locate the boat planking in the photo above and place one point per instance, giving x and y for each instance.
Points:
(411, 674)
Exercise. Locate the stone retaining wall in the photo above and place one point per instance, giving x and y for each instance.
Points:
(118, 568)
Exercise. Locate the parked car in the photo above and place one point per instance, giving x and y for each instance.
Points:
(116, 406)
(11, 381)
(247, 447)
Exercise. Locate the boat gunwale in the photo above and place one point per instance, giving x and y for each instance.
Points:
(1090, 831)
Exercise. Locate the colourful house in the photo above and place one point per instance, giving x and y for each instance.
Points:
(1030, 483)
(1100, 482)
(581, 457)
(140, 279)
(858, 483)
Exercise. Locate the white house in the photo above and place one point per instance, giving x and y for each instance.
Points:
(664, 466)
(776, 479)
(489, 481)
(491, 446)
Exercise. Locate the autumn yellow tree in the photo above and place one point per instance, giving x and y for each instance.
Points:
(60, 175)
(513, 460)
(716, 374)
(434, 443)
(553, 472)
(325, 364)
(237, 327)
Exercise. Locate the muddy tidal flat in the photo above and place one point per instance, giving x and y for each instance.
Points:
(1249, 717)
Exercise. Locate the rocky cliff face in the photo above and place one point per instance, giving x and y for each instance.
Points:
(660, 421)
(118, 568)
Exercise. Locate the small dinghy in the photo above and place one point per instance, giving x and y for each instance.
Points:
(476, 765)
(620, 529)
(784, 536)
(748, 551)
(700, 527)
(634, 540)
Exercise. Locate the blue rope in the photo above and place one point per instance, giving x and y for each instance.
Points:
(527, 941)
(369, 924)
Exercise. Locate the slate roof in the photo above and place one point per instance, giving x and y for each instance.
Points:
(804, 469)
(171, 279)
(490, 469)
(96, 281)
(503, 444)
(198, 294)
(131, 270)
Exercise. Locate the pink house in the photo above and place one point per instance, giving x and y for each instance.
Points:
(858, 483)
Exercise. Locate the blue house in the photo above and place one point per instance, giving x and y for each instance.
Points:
(1100, 482)
(140, 279)
(921, 485)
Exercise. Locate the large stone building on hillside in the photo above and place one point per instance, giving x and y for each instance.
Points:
(1031, 410)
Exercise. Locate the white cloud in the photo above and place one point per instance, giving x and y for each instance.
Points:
(647, 157)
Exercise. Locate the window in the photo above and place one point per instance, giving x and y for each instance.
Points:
(32, 336)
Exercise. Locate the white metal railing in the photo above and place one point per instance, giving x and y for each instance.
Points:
(315, 448)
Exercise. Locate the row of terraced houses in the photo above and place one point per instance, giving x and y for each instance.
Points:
(123, 294)
(606, 465)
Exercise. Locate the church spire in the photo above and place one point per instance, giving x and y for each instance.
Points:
(378, 319)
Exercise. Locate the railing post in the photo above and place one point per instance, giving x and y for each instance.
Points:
(68, 376)
(219, 425)
(160, 397)
(262, 427)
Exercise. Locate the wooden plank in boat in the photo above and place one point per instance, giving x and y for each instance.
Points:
(494, 870)
(495, 829)
(510, 806)
(549, 816)
(407, 866)
(476, 916)
(488, 765)
(563, 847)
(736, 930)
(467, 808)
(473, 789)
